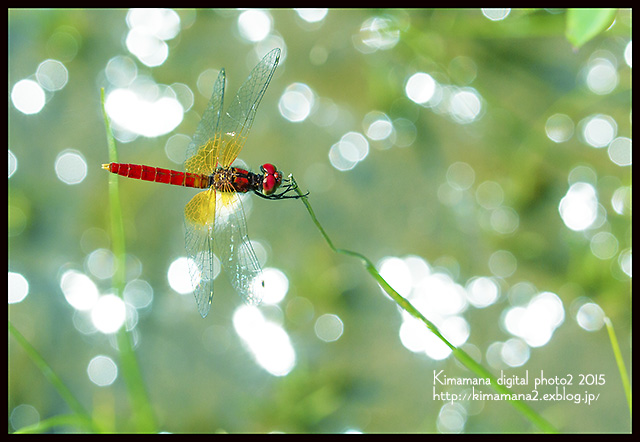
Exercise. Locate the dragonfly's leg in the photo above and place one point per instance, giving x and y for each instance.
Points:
(282, 195)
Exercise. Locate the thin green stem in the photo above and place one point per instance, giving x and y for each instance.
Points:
(117, 227)
(142, 411)
(459, 354)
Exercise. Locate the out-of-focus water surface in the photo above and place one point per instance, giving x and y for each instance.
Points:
(475, 156)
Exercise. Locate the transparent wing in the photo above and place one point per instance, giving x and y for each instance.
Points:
(215, 221)
(202, 152)
(237, 121)
(233, 248)
(199, 226)
(199, 213)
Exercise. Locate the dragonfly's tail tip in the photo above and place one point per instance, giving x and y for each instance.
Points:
(105, 166)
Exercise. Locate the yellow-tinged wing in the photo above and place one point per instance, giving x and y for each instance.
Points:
(216, 227)
(233, 248)
(202, 151)
(214, 221)
(237, 121)
(199, 216)
(199, 213)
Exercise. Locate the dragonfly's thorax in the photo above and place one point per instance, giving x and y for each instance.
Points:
(234, 179)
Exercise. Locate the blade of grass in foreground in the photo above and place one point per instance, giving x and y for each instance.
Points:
(63, 420)
(459, 354)
(142, 412)
(80, 418)
(619, 361)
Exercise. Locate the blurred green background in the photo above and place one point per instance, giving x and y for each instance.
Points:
(438, 143)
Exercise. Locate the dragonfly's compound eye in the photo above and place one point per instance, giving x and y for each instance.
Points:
(269, 184)
(268, 169)
(272, 178)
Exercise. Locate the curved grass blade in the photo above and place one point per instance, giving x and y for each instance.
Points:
(458, 353)
(62, 420)
(80, 417)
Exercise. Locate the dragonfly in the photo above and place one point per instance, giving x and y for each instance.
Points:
(215, 223)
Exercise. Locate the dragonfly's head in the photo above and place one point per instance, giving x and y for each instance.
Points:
(272, 178)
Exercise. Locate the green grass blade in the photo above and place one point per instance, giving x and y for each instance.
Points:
(80, 417)
(142, 415)
(62, 420)
(585, 23)
(115, 211)
(619, 361)
(459, 354)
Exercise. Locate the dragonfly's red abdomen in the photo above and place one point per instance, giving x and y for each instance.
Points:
(159, 175)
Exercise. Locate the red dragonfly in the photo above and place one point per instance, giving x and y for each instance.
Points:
(214, 219)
